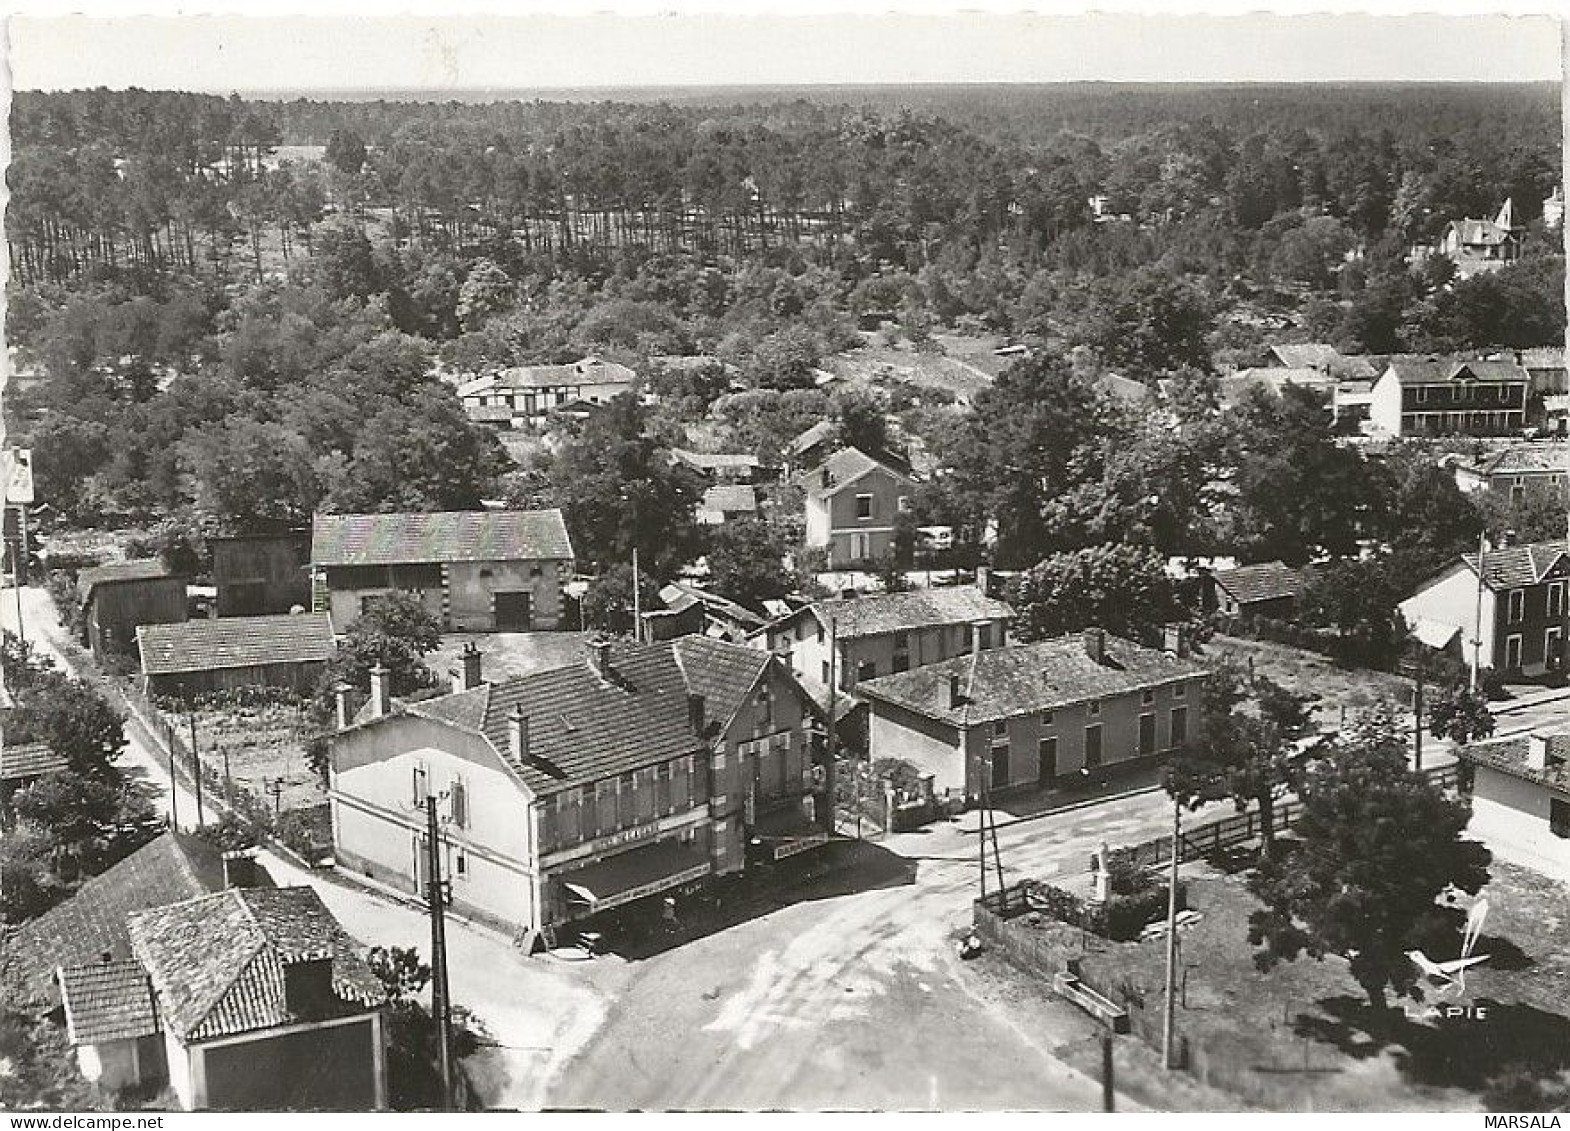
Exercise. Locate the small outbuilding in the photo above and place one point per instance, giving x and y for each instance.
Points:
(1269, 589)
(120, 597)
(285, 651)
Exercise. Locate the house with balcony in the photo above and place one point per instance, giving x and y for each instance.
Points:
(1035, 716)
(846, 640)
(475, 571)
(1509, 612)
(1433, 396)
(852, 501)
(641, 771)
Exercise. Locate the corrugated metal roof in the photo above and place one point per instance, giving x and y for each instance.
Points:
(439, 536)
(235, 642)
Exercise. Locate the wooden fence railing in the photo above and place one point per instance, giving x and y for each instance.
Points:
(1214, 837)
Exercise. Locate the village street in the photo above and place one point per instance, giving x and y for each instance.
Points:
(850, 994)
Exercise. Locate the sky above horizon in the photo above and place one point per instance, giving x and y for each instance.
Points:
(438, 52)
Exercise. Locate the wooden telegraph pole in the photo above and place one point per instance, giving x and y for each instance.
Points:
(436, 900)
(1169, 1028)
(196, 762)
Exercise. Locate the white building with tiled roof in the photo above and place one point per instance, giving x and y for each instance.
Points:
(530, 393)
(1034, 716)
(1511, 616)
(476, 571)
(1521, 799)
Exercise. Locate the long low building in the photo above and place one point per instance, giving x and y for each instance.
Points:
(284, 651)
(1028, 716)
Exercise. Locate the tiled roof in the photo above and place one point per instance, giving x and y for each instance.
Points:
(1508, 756)
(1235, 386)
(92, 922)
(1325, 358)
(1125, 388)
(585, 371)
(844, 466)
(730, 498)
(1511, 567)
(1543, 357)
(440, 536)
(1437, 370)
(876, 614)
(217, 963)
(234, 642)
(715, 461)
(1265, 582)
(1000, 683)
(1484, 233)
(1550, 456)
(818, 433)
(678, 597)
(29, 760)
(143, 569)
(581, 728)
(107, 1001)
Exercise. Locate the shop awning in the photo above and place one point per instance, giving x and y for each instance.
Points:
(785, 832)
(636, 873)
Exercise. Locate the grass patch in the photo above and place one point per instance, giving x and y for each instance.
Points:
(1310, 673)
(1303, 1036)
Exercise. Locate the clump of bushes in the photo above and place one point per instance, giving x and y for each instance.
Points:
(1136, 898)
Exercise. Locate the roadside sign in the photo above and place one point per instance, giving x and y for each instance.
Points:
(18, 475)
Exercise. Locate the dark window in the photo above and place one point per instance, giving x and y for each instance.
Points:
(420, 788)
(460, 803)
(1000, 766)
(1148, 695)
(863, 506)
(1179, 725)
(1147, 734)
(867, 669)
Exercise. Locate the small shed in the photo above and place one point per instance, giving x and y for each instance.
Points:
(1268, 589)
(120, 597)
(20, 766)
(286, 651)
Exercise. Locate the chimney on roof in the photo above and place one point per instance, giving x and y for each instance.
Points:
(381, 691)
(1537, 751)
(466, 676)
(697, 713)
(984, 580)
(1095, 644)
(343, 711)
(518, 734)
(239, 870)
(1174, 639)
(1506, 539)
(826, 476)
(956, 692)
(600, 658)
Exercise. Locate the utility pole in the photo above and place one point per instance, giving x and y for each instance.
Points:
(832, 770)
(174, 794)
(436, 899)
(637, 600)
(1169, 1029)
(1417, 710)
(228, 782)
(1477, 616)
(196, 760)
(1108, 1094)
(17, 554)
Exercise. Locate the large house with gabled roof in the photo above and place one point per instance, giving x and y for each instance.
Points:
(475, 571)
(852, 501)
(639, 771)
(1511, 615)
(1439, 396)
(531, 393)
